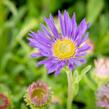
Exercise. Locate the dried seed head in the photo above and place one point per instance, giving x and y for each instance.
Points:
(38, 94)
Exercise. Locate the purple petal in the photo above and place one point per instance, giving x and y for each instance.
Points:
(74, 25)
(81, 30)
(40, 44)
(80, 54)
(84, 38)
(67, 23)
(52, 27)
(61, 23)
(81, 60)
(77, 61)
(70, 28)
(36, 55)
(85, 47)
(41, 47)
(51, 18)
(41, 62)
(74, 62)
(71, 66)
(52, 68)
(44, 61)
(58, 71)
(47, 32)
(43, 38)
(60, 66)
(88, 25)
(51, 63)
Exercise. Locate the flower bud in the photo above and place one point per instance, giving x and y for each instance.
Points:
(38, 94)
(102, 68)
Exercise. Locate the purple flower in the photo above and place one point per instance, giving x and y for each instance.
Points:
(103, 97)
(4, 101)
(61, 48)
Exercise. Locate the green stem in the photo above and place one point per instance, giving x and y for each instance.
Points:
(70, 89)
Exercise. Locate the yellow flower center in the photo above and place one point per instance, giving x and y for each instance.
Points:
(64, 49)
(38, 93)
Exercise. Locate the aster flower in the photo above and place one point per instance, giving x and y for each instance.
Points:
(61, 48)
(103, 97)
(4, 101)
(38, 94)
(102, 68)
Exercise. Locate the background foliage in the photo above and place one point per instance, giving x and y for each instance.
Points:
(18, 69)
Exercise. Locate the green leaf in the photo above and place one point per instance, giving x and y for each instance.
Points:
(84, 71)
(78, 77)
(10, 6)
(5, 60)
(29, 24)
(94, 7)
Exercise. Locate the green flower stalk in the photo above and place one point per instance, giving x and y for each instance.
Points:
(70, 89)
(73, 83)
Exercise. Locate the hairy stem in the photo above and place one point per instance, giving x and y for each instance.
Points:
(70, 89)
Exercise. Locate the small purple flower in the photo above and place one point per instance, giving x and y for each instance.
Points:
(103, 97)
(38, 94)
(61, 48)
(4, 101)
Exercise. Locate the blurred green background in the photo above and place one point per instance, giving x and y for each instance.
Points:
(18, 69)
